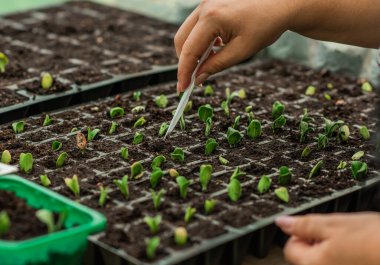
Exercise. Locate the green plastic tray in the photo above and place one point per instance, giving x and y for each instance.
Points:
(63, 247)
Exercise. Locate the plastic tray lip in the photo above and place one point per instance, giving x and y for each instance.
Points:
(97, 223)
(236, 232)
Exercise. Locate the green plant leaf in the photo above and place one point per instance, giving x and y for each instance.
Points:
(183, 184)
(6, 157)
(344, 133)
(209, 206)
(306, 152)
(158, 161)
(236, 122)
(188, 107)
(358, 155)
(156, 177)
(73, 185)
(91, 134)
(138, 109)
(47, 121)
(153, 223)
(102, 195)
(4, 60)
(254, 129)
(56, 145)
(282, 194)
(205, 112)
(225, 107)
(285, 176)
(45, 181)
(136, 170)
(117, 112)
(136, 96)
(367, 87)
(233, 136)
(157, 198)
(210, 146)
(322, 141)
(277, 110)
(26, 162)
(205, 176)
(237, 173)
(234, 190)
(140, 122)
(331, 127)
(113, 127)
(223, 161)
(123, 186)
(47, 80)
(46, 217)
(138, 138)
(124, 153)
(264, 184)
(178, 154)
(316, 169)
(342, 165)
(180, 236)
(208, 91)
(208, 126)
(304, 130)
(61, 159)
(18, 127)
(359, 169)
(364, 132)
(5, 222)
(189, 213)
(327, 96)
(151, 247)
(161, 101)
(163, 128)
(279, 123)
(310, 90)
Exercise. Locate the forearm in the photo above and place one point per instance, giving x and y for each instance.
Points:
(355, 22)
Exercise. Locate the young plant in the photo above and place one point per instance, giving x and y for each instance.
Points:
(183, 184)
(136, 170)
(233, 136)
(234, 190)
(152, 245)
(210, 146)
(264, 184)
(161, 101)
(56, 146)
(327, 96)
(117, 112)
(4, 61)
(138, 109)
(189, 213)
(304, 130)
(47, 80)
(229, 97)
(26, 162)
(173, 173)
(136, 96)
(182, 123)
(331, 127)
(102, 195)
(208, 91)
(5, 223)
(47, 217)
(178, 154)
(180, 236)
(47, 120)
(279, 123)
(122, 185)
(45, 181)
(91, 134)
(359, 169)
(254, 129)
(285, 176)
(236, 122)
(155, 177)
(358, 155)
(205, 112)
(316, 169)
(140, 122)
(310, 90)
(344, 133)
(188, 107)
(282, 194)
(237, 173)
(205, 176)
(367, 87)
(322, 141)
(158, 161)
(277, 110)
(305, 152)
(73, 185)
(18, 127)
(81, 142)
(208, 124)
(153, 223)
(209, 206)
(364, 132)
(113, 127)
(124, 153)
(223, 161)
(163, 128)
(138, 138)
(61, 159)
(342, 165)
(157, 198)
(6, 157)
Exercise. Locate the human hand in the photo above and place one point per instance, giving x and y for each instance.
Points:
(349, 239)
(245, 27)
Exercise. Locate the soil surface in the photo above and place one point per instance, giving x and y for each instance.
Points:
(264, 83)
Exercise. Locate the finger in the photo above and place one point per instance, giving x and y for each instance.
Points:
(231, 54)
(311, 227)
(185, 29)
(196, 44)
(299, 252)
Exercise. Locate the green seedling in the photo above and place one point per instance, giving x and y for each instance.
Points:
(233, 136)
(209, 206)
(223, 161)
(183, 184)
(182, 122)
(229, 97)
(327, 96)
(208, 91)
(205, 112)
(342, 165)
(279, 123)
(331, 127)
(237, 173)
(153, 223)
(282, 194)
(73, 185)
(178, 154)
(117, 112)
(5, 223)
(140, 122)
(47, 120)
(152, 245)
(248, 109)
(173, 173)
(364, 132)
(124, 153)
(161, 101)
(208, 124)
(285, 176)
(316, 169)
(180, 236)
(136, 96)
(264, 184)
(277, 110)
(344, 133)
(103, 195)
(322, 141)
(122, 185)
(18, 127)
(47, 217)
(136, 170)
(357, 155)
(310, 90)
(45, 181)
(254, 129)
(236, 122)
(305, 117)
(61, 159)
(26, 162)
(113, 127)
(304, 130)
(188, 107)
(138, 109)
(47, 80)
(6, 157)
(205, 176)
(367, 87)
(210, 146)
(157, 198)
(330, 86)
(305, 152)
(56, 146)
(91, 134)
(359, 169)
(155, 177)
(158, 161)
(234, 190)
(189, 214)
(138, 138)
(4, 61)
(163, 128)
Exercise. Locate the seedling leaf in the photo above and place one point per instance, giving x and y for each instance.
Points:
(264, 184)
(47, 80)
(61, 159)
(205, 176)
(138, 138)
(178, 154)
(124, 153)
(156, 177)
(161, 101)
(223, 161)
(316, 169)
(91, 134)
(6, 157)
(5, 223)
(18, 127)
(123, 186)
(153, 223)
(26, 162)
(117, 112)
(209, 206)
(56, 146)
(358, 155)
(47, 120)
(285, 176)
(359, 169)
(136, 170)
(364, 132)
(210, 146)
(183, 184)
(151, 247)
(282, 194)
(234, 190)
(277, 110)
(140, 122)
(189, 213)
(205, 112)
(73, 185)
(180, 236)
(163, 128)
(254, 129)
(233, 136)
(45, 181)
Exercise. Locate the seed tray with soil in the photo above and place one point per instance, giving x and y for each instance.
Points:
(89, 50)
(257, 141)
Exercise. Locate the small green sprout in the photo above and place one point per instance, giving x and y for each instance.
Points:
(45, 181)
(189, 213)
(331, 127)
(91, 134)
(364, 132)
(152, 245)
(124, 153)
(279, 123)
(208, 91)
(233, 136)
(136, 170)
(237, 173)
(155, 177)
(157, 198)
(330, 86)
(178, 154)
(316, 169)
(277, 110)
(122, 185)
(210, 146)
(208, 126)
(161, 101)
(136, 96)
(180, 236)
(173, 173)
(282, 194)
(113, 127)
(47, 120)
(229, 97)
(163, 128)
(153, 223)
(47, 217)
(205, 112)
(342, 165)
(236, 122)
(209, 206)
(306, 152)
(234, 190)
(359, 169)
(248, 109)
(254, 129)
(56, 145)
(26, 162)
(158, 161)
(5, 223)
(310, 90)
(305, 117)
(205, 176)
(367, 87)
(182, 122)
(285, 176)
(18, 127)
(4, 61)
(6, 157)
(102, 195)
(304, 130)
(183, 184)
(344, 133)
(264, 184)
(140, 122)
(225, 107)
(61, 159)
(188, 107)
(138, 109)
(322, 141)
(223, 161)
(47, 80)
(327, 96)
(73, 185)
(138, 138)
(358, 155)
(117, 112)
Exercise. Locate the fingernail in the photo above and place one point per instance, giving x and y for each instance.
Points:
(178, 88)
(201, 78)
(285, 222)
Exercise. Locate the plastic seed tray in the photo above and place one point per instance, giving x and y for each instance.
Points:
(51, 248)
(234, 228)
(91, 50)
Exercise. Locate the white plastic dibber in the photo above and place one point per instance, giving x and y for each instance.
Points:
(7, 169)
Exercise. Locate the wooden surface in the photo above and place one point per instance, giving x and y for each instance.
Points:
(275, 257)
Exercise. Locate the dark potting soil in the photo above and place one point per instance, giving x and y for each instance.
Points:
(265, 82)
(10, 97)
